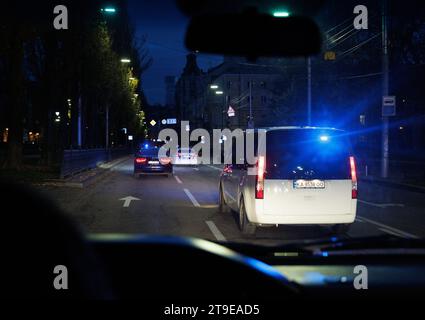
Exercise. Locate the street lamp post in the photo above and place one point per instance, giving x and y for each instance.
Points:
(108, 10)
(123, 60)
(107, 128)
(250, 121)
(219, 92)
(309, 91)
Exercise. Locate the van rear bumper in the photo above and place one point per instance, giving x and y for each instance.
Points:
(256, 214)
(297, 219)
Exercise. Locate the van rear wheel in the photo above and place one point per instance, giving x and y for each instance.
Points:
(246, 227)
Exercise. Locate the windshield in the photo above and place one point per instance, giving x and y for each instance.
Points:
(92, 91)
(307, 154)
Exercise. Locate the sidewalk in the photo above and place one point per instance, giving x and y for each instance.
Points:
(87, 177)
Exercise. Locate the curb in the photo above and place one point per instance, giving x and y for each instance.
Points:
(98, 175)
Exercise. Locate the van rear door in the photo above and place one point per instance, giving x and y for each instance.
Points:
(307, 172)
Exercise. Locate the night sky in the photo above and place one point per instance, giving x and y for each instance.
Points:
(165, 26)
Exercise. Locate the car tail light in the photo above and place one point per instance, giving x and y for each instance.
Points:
(164, 161)
(353, 178)
(141, 160)
(259, 183)
(227, 168)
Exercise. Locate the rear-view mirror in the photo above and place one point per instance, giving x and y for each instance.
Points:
(253, 35)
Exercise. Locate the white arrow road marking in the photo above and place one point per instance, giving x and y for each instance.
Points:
(217, 233)
(191, 197)
(127, 200)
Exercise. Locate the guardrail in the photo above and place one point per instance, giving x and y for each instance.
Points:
(78, 160)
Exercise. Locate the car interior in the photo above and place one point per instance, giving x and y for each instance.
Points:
(171, 268)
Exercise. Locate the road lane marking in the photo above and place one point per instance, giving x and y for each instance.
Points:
(400, 232)
(214, 230)
(209, 206)
(196, 169)
(212, 167)
(178, 179)
(391, 232)
(127, 200)
(381, 205)
(230, 196)
(192, 198)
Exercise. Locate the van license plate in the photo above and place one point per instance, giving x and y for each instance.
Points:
(309, 184)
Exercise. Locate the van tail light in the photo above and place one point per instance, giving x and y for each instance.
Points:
(353, 178)
(259, 181)
(164, 161)
(140, 160)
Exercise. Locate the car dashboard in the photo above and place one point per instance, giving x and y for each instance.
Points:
(169, 268)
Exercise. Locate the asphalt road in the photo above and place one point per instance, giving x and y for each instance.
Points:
(186, 205)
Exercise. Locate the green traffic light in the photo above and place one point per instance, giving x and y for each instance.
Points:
(281, 14)
(108, 10)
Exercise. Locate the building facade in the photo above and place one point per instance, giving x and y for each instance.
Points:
(170, 90)
(190, 91)
(255, 95)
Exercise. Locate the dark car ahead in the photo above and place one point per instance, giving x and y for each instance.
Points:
(147, 162)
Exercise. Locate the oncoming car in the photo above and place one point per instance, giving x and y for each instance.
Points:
(305, 176)
(147, 161)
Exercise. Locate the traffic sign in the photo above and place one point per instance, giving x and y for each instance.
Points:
(388, 101)
(153, 123)
(388, 106)
(172, 121)
(330, 55)
(163, 121)
(230, 112)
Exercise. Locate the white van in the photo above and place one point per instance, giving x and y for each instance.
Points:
(305, 175)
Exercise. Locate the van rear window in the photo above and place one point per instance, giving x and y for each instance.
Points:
(307, 154)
